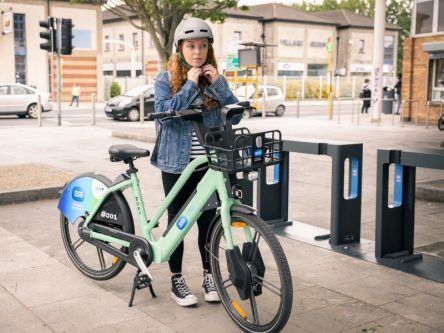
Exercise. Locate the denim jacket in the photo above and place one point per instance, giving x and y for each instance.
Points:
(173, 144)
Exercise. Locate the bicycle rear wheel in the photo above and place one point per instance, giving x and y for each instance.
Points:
(266, 306)
(89, 259)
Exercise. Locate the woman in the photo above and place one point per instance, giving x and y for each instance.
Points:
(191, 80)
(365, 94)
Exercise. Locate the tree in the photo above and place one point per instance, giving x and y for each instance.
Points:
(161, 17)
(397, 12)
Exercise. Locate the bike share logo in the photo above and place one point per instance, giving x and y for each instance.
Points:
(182, 222)
(78, 194)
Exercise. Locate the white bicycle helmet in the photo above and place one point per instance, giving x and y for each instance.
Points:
(192, 28)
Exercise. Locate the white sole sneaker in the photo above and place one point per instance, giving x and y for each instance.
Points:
(212, 296)
(190, 300)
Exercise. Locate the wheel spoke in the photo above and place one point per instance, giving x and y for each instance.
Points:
(254, 307)
(78, 243)
(268, 285)
(101, 259)
(211, 254)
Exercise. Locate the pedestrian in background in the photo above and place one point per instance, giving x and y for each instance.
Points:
(75, 94)
(398, 89)
(365, 94)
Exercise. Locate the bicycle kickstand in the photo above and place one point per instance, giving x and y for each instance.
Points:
(141, 281)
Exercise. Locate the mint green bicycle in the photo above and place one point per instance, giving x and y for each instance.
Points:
(249, 267)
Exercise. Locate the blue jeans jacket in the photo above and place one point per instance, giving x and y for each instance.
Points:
(173, 144)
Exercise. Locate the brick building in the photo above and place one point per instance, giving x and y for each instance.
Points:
(22, 59)
(423, 61)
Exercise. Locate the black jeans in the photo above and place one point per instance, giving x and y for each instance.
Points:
(203, 222)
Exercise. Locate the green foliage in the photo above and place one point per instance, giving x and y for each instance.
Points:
(397, 12)
(115, 89)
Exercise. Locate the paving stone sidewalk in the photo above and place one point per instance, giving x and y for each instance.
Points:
(41, 291)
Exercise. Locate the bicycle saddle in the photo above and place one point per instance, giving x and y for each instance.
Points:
(119, 153)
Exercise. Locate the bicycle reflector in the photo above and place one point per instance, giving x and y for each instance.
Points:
(238, 309)
(238, 224)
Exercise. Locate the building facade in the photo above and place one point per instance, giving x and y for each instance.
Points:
(23, 61)
(423, 61)
(296, 42)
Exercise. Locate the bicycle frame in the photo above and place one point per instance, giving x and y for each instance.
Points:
(213, 181)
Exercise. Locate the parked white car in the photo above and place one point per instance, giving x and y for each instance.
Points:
(21, 100)
(274, 99)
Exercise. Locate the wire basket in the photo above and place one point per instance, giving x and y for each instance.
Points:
(239, 150)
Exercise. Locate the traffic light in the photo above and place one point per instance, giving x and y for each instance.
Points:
(50, 35)
(66, 47)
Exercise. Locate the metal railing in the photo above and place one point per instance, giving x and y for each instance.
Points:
(410, 101)
(340, 99)
(428, 109)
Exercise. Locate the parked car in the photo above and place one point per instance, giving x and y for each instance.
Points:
(127, 106)
(18, 99)
(274, 99)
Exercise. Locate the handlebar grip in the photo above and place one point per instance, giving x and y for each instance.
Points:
(160, 115)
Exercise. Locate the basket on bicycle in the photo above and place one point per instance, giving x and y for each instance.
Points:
(239, 150)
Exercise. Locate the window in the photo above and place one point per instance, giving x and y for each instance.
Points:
(316, 70)
(82, 39)
(20, 48)
(437, 67)
(361, 46)
(389, 42)
(107, 46)
(121, 46)
(17, 90)
(4, 90)
(135, 40)
(441, 15)
(108, 73)
(424, 17)
(289, 73)
(272, 92)
(238, 35)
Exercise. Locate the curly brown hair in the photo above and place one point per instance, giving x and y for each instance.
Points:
(178, 76)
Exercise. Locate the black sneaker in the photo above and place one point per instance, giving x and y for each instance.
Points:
(180, 291)
(210, 292)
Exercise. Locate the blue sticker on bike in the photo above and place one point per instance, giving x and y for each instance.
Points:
(80, 196)
(182, 223)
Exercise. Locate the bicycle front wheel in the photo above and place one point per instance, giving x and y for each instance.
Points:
(263, 303)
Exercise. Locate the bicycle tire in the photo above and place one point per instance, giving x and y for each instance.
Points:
(101, 274)
(286, 300)
(441, 122)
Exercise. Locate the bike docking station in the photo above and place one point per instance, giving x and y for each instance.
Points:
(395, 222)
(393, 245)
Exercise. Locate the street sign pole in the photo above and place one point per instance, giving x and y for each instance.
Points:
(330, 79)
(59, 74)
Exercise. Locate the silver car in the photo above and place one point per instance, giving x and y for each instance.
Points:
(18, 99)
(274, 99)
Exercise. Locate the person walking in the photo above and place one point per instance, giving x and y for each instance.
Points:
(365, 94)
(191, 80)
(398, 91)
(75, 94)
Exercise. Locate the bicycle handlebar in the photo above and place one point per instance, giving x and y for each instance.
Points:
(161, 115)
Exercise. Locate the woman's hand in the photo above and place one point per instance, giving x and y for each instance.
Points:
(193, 74)
(210, 73)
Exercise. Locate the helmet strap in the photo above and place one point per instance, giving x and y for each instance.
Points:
(183, 61)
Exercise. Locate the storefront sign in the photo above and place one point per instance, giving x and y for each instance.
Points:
(295, 43)
(317, 44)
(7, 23)
(361, 68)
(290, 66)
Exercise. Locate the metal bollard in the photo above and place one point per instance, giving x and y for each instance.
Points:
(298, 105)
(142, 108)
(93, 102)
(39, 110)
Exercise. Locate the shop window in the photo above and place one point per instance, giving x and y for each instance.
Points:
(316, 70)
(441, 15)
(437, 76)
(388, 49)
(424, 17)
(20, 48)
